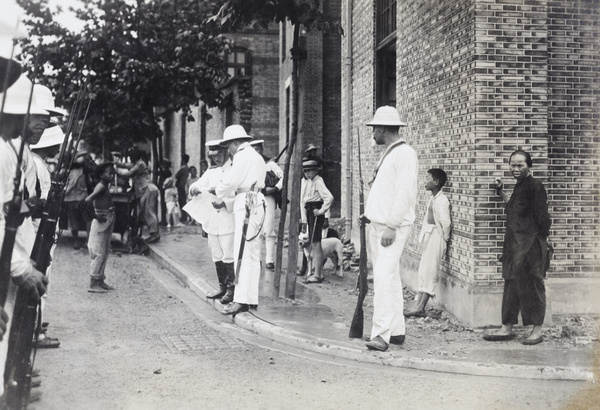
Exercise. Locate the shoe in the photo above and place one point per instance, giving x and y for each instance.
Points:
(76, 247)
(377, 344)
(415, 313)
(314, 279)
(253, 307)
(217, 293)
(535, 341)
(236, 308)
(397, 340)
(46, 343)
(105, 285)
(228, 298)
(45, 324)
(95, 287)
(493, 337)
(154, 237)
(270, 266)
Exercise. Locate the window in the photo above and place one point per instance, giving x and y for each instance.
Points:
(385, 81)
(238, 64)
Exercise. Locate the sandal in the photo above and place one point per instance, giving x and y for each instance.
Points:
(314, 279)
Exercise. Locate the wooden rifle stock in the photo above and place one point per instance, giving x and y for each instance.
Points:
(357, 325)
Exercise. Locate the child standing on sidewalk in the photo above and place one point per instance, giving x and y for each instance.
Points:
(315, 201)
(102, 227)
(172, 203)
(435, 234)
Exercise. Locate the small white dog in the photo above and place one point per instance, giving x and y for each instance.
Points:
(332, 249)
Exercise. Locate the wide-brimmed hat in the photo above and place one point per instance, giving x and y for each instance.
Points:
(310, 164)
(214, 147)
(43, 98)
(234, 133)
(311, 147)
(386, 116)
(257, 142)
(100, 168)
(17, 98)
(52, 136)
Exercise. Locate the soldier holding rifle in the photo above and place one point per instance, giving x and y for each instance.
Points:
(390, 210)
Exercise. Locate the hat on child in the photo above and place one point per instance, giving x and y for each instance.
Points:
(310, 164)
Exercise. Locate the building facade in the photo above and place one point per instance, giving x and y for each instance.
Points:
(476, 80)
(251, 95)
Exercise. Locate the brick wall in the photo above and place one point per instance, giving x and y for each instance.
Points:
(477, 79)
(573, 112)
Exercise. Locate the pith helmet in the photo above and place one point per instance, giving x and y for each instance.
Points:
(233, 133)
(52, 136)
(214, 147)
(17, 98)
(386, 116)
(257, 142)
(43, 98)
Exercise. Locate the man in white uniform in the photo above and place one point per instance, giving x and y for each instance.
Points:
(390, 209)
(245, 180)
(217, 221)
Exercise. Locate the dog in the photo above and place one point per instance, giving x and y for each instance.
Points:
(333, 249)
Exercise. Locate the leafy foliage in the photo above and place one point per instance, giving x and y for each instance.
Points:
(144, 60)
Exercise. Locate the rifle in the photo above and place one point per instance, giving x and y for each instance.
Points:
(281, 153)
(25, 332)
(356, 327)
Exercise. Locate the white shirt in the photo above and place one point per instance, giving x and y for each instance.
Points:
(248, 169)
(221, 221)
(441, 215)
(43, 175)
(20, 262)
(314, 190)
(393, 195)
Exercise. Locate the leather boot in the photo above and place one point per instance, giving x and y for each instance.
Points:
(222, 277)
(230, 283)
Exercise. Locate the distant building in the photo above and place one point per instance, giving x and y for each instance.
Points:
(252, 100)
(475, 80)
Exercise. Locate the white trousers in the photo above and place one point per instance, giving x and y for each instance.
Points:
(221, 247)
(388, 301)
(434, 247)
(246, 288)
(269, 229)
(9, 307)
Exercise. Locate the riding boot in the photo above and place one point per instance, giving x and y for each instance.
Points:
(230, 283)
(222, 277)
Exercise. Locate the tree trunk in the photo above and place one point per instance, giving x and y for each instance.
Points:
(295, 192)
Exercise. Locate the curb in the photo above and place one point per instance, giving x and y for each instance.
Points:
(303, 341)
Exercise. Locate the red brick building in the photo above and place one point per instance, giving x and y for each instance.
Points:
(475, 80)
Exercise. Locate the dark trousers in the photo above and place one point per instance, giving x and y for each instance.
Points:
(525, 293)
(182, 199)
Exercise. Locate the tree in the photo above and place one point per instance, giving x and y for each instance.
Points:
(139, 57)
(237, 14)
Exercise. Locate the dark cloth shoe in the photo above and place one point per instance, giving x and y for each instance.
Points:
(270, 266)
(236, 308)
(105, 285)
(154, 237)
(397, 340)
(95, 287)
(534, 341)
(47, 343)
(377, 344)
(493, 337)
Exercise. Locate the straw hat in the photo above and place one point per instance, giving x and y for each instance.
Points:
(234, 133)
(17, 98)
(386, 116)
(311, 147)
(310, 164)
(43, 98)
(52, 136)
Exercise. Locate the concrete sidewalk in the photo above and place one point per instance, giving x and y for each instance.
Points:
(308, 323)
